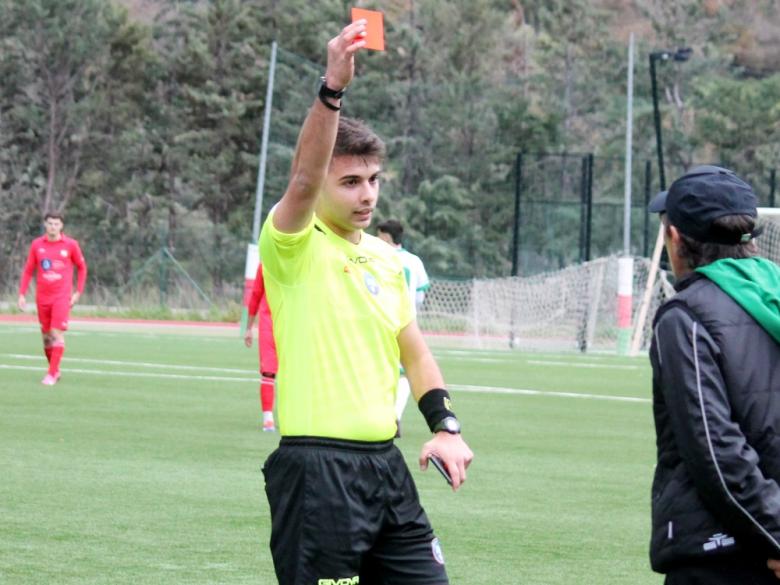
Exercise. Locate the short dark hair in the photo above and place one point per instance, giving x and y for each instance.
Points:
(53, 215)
(392, 227)
(696, 253)
(355, 138)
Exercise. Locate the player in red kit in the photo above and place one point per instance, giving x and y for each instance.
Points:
(53, 255)
(258, 304)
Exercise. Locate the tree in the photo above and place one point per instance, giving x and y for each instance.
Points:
(220, 93)
(74, 68)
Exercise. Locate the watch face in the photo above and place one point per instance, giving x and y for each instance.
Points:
(452, 425)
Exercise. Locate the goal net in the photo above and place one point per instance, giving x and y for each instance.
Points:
(570, 309)
(769, 242)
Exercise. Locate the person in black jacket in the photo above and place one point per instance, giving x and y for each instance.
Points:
(716, 390)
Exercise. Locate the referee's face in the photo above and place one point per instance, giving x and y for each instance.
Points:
(350, 194)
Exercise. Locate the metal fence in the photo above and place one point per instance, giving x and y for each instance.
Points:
(569, 208)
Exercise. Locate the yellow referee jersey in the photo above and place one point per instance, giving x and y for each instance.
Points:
(337, 309)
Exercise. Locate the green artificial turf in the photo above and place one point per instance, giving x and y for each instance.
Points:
(143, 464)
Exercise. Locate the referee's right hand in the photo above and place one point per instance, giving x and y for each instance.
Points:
(341, 55)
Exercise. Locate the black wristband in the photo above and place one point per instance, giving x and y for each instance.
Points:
(435, 406)
(325, 93)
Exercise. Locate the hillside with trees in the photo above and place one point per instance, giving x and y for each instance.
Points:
(141, 119)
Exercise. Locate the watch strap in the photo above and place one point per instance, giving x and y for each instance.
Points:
(330, 93)
(448, 424)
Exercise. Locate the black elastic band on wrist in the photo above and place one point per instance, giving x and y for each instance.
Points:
(327, 104)
(326, 93)
(435, 406)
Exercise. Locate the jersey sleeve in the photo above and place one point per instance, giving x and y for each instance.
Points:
(423, 283)
(81, 266)
(285, 257)
(258, 290)
(27, 271)
(406, 310)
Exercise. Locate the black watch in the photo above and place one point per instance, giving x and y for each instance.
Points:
(325, 91)
(449, 424)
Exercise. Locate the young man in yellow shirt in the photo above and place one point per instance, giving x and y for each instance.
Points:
(344, 507)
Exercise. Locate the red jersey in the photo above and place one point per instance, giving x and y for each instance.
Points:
(54, 262)
(259, 301)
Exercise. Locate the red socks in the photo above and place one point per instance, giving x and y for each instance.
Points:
(56, 355)
(267, 392)
(47, 351)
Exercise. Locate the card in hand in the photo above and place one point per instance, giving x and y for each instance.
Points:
(375, 29)
(439, 465)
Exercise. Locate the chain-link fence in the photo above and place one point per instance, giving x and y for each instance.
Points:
(570, 208)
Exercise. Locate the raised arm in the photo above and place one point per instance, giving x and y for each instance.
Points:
(318, 135)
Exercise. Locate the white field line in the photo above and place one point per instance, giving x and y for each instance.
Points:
(456, 387)
(537, 362)
(527, 392)
(135, 374)
(22, 356)
(582, 365)
(514, 355)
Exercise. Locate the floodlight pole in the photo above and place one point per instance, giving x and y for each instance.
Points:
(252, 258)
(516, 217)
(682, 54)
(269, 95)
(629, 161)
(657, 117)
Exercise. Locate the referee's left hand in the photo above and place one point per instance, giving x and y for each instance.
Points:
(453, 452)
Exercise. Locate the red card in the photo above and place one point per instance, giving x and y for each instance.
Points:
(375, 27)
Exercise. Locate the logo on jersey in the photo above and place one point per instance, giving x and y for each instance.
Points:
(371, 283)
(46, 264)
(719, 540)
(344, 581)
(64, 253)
(436, 550)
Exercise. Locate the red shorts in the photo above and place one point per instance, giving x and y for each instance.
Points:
(54, 315)
(265, 342)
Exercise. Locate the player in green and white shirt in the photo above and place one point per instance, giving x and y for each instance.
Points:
(343, 503)
(391, 231)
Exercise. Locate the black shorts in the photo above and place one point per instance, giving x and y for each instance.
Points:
(347, 512)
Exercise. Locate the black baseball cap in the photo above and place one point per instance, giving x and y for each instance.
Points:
(702, 195)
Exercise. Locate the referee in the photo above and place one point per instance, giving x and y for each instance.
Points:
(344, 507)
